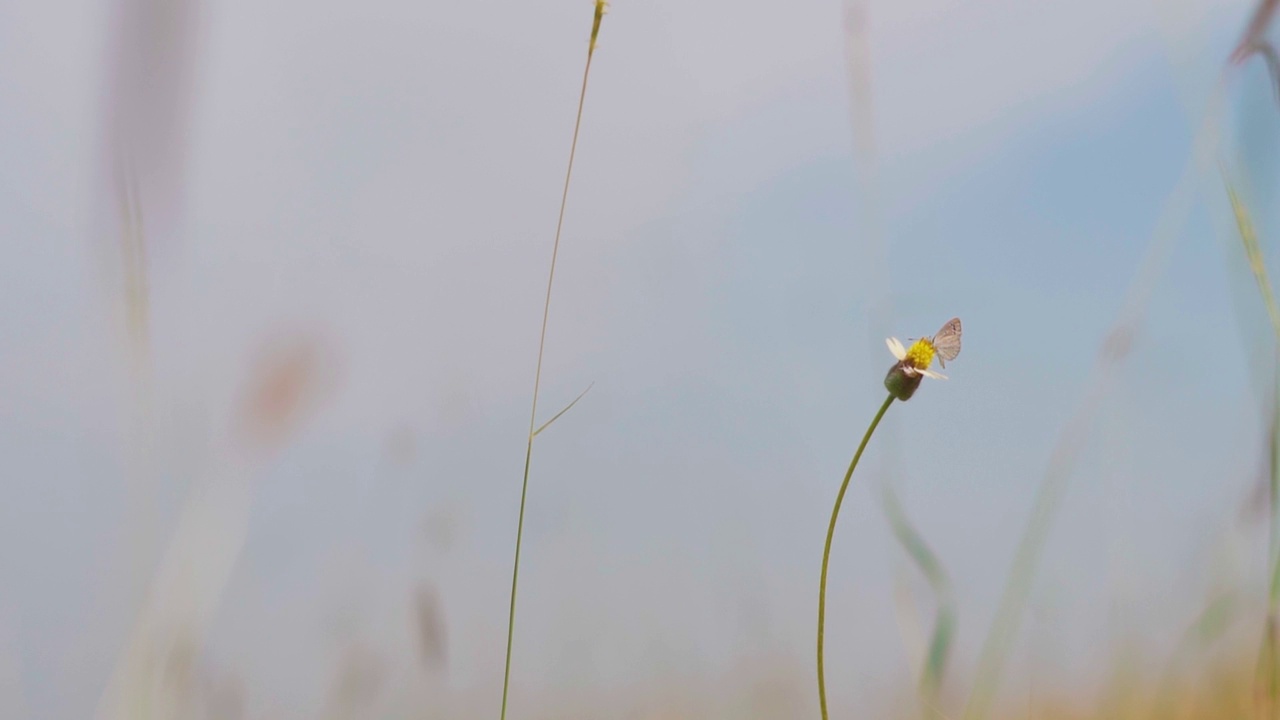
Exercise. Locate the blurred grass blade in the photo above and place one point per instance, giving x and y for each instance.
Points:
(192, 577)
(1253, 250)
(930, 566)
(1254, 36)
(1209, 626)
(1267, 676)
(547, 424)
(1266, 671)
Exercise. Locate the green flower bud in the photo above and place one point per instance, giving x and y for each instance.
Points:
(902, 381)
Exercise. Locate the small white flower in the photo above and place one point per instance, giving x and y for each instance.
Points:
(915, 361)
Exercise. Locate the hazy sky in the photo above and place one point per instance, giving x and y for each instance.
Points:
(386, 178)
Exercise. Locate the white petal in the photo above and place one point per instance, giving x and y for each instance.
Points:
(932, 374)
(896, 348)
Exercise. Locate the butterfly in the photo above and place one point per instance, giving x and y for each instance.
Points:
(946, 342)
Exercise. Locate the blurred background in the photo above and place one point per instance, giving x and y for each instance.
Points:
(270, 310)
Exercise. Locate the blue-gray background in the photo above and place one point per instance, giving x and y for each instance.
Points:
(386, 177)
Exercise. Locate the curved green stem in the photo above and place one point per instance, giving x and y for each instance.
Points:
(826, 551)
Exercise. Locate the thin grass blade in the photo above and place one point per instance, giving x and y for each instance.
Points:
(566, 409)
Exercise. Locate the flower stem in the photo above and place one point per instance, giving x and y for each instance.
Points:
(826, 551)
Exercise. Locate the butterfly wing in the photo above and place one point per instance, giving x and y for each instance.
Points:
(947, 342)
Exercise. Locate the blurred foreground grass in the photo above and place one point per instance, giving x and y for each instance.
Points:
(1219, 687)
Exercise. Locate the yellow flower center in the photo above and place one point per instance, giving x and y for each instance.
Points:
(920, 354)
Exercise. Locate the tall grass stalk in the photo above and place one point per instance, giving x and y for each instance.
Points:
(826, 551)
(542, 341)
